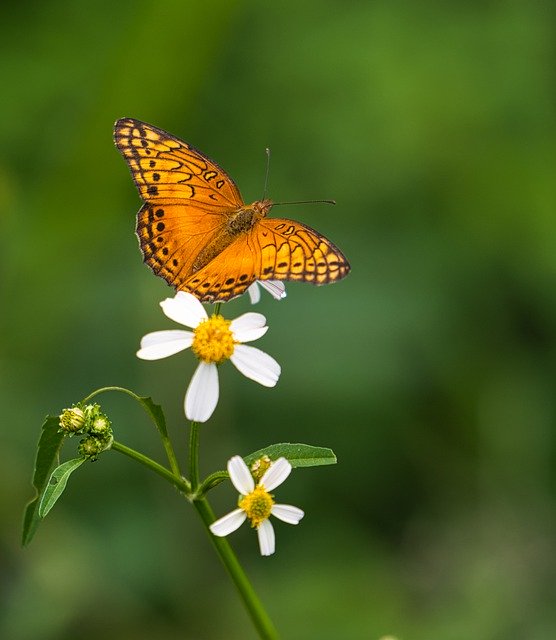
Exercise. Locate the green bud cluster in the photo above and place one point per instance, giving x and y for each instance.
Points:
(89, 421)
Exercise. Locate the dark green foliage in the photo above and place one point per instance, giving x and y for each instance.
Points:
(48, 451)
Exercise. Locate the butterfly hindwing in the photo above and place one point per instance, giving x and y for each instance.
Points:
(290, 250)
(227, 276)
(274, 249)
(171, 239)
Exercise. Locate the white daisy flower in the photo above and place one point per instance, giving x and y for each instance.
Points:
(276, 288)
(256, 503)
(213, 340)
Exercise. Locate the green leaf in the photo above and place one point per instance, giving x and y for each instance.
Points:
(298, 455)
(156, 413)
(57, 484)
(48, 450)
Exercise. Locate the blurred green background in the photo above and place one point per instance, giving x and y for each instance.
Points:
(430, 370)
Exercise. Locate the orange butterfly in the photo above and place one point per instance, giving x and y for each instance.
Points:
(196, 232)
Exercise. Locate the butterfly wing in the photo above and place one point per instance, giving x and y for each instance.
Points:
(293, 251)
(188, 197)
(164, 167)
(274, 249)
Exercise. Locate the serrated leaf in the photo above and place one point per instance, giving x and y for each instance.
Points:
(57, 483)
(298, 455)
(48, 450)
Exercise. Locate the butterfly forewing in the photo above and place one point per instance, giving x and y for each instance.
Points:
(188, 198)
(165, 167)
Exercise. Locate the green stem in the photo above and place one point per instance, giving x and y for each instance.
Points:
(258, 615)
(194, 456)
(170, 454)
(180, 483)
(158, 421)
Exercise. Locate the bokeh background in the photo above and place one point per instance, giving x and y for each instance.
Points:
(430, 370)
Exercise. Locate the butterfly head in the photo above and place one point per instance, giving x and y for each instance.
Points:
(261, 208)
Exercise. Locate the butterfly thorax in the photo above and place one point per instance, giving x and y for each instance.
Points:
(239, 222)
(244, 218)
(247, 216)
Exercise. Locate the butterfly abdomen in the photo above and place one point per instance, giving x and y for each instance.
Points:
(239, 222)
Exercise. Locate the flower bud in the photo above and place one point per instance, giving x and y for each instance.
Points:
(72, 420)
(259, 467)
(100, 426)
(91, 446)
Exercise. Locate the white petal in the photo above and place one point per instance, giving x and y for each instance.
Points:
(240, 475)
(228, 523)
(287, 513)
(249, 326)
(202, 394)
(256, 365)
(265, 533)
(254, 292)
(276, 474)
(161, 344)
(184, 308)
(276, 288)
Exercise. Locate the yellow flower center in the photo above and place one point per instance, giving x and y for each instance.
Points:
(257, 505)
(213, 341)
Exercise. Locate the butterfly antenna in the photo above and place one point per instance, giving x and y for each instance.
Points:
(267, 150)
(276, 204)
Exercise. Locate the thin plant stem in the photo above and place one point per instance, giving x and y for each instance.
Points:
(194, 456)
(170, 454)
(180, 483)
(254, 606)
